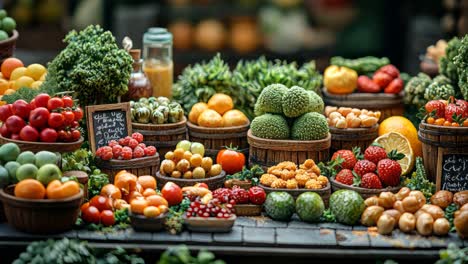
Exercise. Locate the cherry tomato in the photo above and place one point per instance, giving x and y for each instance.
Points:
(68, 117)
(55, 120)
(231, 160)
(107, 218)
(101, 202)
(76, 134)
(172, 193)
(75, 124)
(54, 103)
(91, 215)
(78, 113)
(67, 101)
(84, 206)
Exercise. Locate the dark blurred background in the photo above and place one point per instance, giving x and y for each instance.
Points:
(298, 30)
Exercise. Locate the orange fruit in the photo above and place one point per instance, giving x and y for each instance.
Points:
(163, 209)
(9, 65)
(111, 191)
(137, 206)
(156, 200)
(148, 192)
(4, 85)
(18, 72)
(9, 91)
(35, 71)
(147, 181)
(196, 111)
(57, 190)
(403, 126)
(30, 189)
(221, 103)
(132, 196)
(151, 212)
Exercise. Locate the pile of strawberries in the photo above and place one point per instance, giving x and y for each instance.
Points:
(375, 170)
(452, 112)
(126, 149)
(386, 79)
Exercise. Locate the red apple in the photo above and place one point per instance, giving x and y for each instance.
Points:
(55, 120)
(5, 112)
(41, 100)
(4, 131)
(32, 104)
(54, 103)
(29, 133)
(38, 117)
(21, 108)
(14, 124)
(15, 137)
(48, 135)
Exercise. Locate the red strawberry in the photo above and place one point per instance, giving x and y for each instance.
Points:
(382, 79)
(463, 104)
(453, 110)
(389, 172)
(390, 70)
(437, 106)
(364, 166)
(375, 154)
(395, 86)
(241, 196)
(345, 176)
(371, 181)
(348, 156)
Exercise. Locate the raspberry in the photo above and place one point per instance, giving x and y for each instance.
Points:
(138, 137)
(117, 151)
(107, 154)
(125, 141)
(150, 151)
(127, 153)
(132, 143)
(142, 145)
(113, 143)
(138, 152)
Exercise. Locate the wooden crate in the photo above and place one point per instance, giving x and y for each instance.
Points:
(347, 138)
(140, 166)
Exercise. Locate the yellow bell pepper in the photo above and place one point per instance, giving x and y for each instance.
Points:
(340, 80)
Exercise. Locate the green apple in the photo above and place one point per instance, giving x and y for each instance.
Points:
(26, 157)
(197, 148)
(26, 171)
(48, 173)
(11, 167)
(45, 157)
(4, 177)
(184, 144)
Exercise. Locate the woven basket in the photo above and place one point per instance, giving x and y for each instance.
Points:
(7, 46)
(212, 182)
(217, 138)
(364, 192)
(40, 216)
(324, 192)
(164, 137)
(142, 223)
(140, 166)
(61, 147)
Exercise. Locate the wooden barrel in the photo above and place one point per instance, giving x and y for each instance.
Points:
(139, 166)
(438, 143)
(215, 139)
(388, 104)
(35, 147)
(269, 152)
(364, 192)
(347, 138)
(164, 137)
(213, 183)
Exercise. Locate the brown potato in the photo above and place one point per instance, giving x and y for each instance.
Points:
(370, 216)
(398, 205)
(385, 224)
(461, 198)
(387, 199)
(424, 224)
(441, 227)
(402, 193)
(407, 222)
(410, 204)
(419, 196)
(442, 199)
(329, 110)
(461, 223)
(344, 111)
(435, 211)
(464, 207)
(373, 200)
(393, 213)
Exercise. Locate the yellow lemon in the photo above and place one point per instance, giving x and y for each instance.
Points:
(18, 72)
(9, 91)
(4, 85)
(23, 81)
(43, 77)
(35, 71)
(36, 84)
(396, 141)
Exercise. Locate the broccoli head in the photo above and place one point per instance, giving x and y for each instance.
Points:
(295, 102)
(436, 91)
(310, 126)
(270, 126)
(270, 99)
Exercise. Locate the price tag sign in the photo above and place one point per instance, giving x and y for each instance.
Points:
(453, 173)
(107, 122)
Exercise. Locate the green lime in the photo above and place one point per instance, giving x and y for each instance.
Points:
(9, 24)
(3, 13)
(3, 35)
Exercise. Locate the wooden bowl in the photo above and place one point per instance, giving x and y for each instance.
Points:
(142, 223)
(40, 216)
(248, 209)
(364, 192)
(212, 182)
(209, 224)
(61, 147)
(246, 185)
(148, 165)
(324, 192)
(7, 46)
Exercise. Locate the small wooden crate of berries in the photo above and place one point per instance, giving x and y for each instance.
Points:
(246, 202)
(130, 154)
(214, 216)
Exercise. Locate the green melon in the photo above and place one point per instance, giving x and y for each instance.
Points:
(279, 206)
(309, 207)
(347, 206)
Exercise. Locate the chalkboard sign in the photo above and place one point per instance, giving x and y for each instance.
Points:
(107, 122)
(453, 172)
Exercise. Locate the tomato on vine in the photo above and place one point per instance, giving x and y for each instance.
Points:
(231, 160)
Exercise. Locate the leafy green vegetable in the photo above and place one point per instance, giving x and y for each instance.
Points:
(174, 221)
(328, 216)
(181, 255)
(447, 64)
(461, 63)
(252, 174)
(449, 214)
(453, 255)
(92, 65)
(419, 181)
(96, 181)
(363, 66)
(78, 160)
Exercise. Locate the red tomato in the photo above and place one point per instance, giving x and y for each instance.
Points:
(41, 100)
(231, 160)
(75, 124)
(78, 113)
(67, 101)
(91, 215)
(49, 135)
(29, 133)
(14, 124)
(101, 203)
(172, 193)
(68, 118)
(21, 108)
(257, 195)
(84, 207)
(76, 134)
(39, 117)
(55, 120)
(54, 103)
(107, 218)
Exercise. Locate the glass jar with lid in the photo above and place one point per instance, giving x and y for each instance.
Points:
(157, 61)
